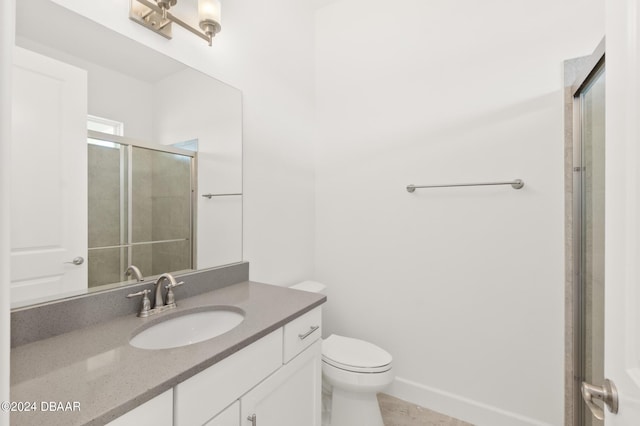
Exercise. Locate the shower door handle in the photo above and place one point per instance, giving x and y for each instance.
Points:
(606, 393)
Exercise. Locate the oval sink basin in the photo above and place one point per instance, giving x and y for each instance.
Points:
(188, 329)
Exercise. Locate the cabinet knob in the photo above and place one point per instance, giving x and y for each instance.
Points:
(252, 419)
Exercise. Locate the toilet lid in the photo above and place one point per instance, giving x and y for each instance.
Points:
(355, 355)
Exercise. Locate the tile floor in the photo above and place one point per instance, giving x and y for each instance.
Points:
(396, 412)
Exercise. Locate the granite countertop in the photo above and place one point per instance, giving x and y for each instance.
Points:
(97, 368)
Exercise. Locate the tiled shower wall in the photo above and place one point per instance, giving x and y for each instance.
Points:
(161, 211)
(104, 214)
(170, 212)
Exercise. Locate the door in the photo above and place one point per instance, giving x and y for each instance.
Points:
(49, 179)
(289, 397)
(622, 222)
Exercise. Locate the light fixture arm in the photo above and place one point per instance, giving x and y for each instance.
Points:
(209, 27)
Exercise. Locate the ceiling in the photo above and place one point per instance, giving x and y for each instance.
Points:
(51, 25)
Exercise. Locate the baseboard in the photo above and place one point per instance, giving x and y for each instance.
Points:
(458, 407)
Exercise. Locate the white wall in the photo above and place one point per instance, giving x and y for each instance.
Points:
(464, 286)
(122, 98)
(112, 94)
(182, 113)
(266, 50)
(7, 29)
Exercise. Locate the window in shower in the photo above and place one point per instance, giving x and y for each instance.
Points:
(140, 208)
(105, 125)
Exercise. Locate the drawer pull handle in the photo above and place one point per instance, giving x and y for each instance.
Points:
(308, 333)
(252, 419)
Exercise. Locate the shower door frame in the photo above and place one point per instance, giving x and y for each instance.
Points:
(575, 328)
(133, 143)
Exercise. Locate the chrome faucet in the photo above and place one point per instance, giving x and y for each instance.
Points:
(159, 304)
(171, 300)
(135, 271)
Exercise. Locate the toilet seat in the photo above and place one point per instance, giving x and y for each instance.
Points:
(355, 355)
(354, 369)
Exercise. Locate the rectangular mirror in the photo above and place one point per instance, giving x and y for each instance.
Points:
(123, 156)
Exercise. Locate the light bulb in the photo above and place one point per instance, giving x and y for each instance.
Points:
(209, 10)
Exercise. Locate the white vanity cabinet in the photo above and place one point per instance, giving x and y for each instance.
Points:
(289, 397)
(155, 412)
(292, 395)
(277, 379)
(203, 396)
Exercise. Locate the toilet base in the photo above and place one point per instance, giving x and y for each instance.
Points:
(354, 408)
(326, 404)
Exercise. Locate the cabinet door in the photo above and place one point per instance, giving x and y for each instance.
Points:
(229, 417)
(289, 397)
(155, 412)
(206, 394)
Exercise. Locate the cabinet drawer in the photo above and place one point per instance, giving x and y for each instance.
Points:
(157, 411)
(200, 398)
(300, 333)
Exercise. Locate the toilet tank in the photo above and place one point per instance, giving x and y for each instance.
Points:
(310, 286)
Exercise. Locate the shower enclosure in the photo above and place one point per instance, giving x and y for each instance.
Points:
(141, 208)
(587, 236)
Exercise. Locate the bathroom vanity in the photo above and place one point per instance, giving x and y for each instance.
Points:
(266, 369)
(275, 380)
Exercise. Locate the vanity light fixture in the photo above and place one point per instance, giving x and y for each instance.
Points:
(155, 15)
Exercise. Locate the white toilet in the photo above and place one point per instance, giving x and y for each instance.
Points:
(355, 371)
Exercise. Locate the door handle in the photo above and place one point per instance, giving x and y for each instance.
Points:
(606, 393)
(252, 419)
(77, 261)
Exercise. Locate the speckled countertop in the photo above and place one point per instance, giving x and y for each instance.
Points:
(97, 367)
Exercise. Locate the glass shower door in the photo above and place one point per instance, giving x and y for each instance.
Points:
(141, 210)
(592, 234)
(108, 212)
(162, 211)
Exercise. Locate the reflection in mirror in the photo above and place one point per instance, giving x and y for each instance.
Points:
(140, 209)
(108, 202)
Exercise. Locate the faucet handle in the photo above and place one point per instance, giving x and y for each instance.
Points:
(144, 292)
(171, 298)
(145, 307)
(170, 285)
